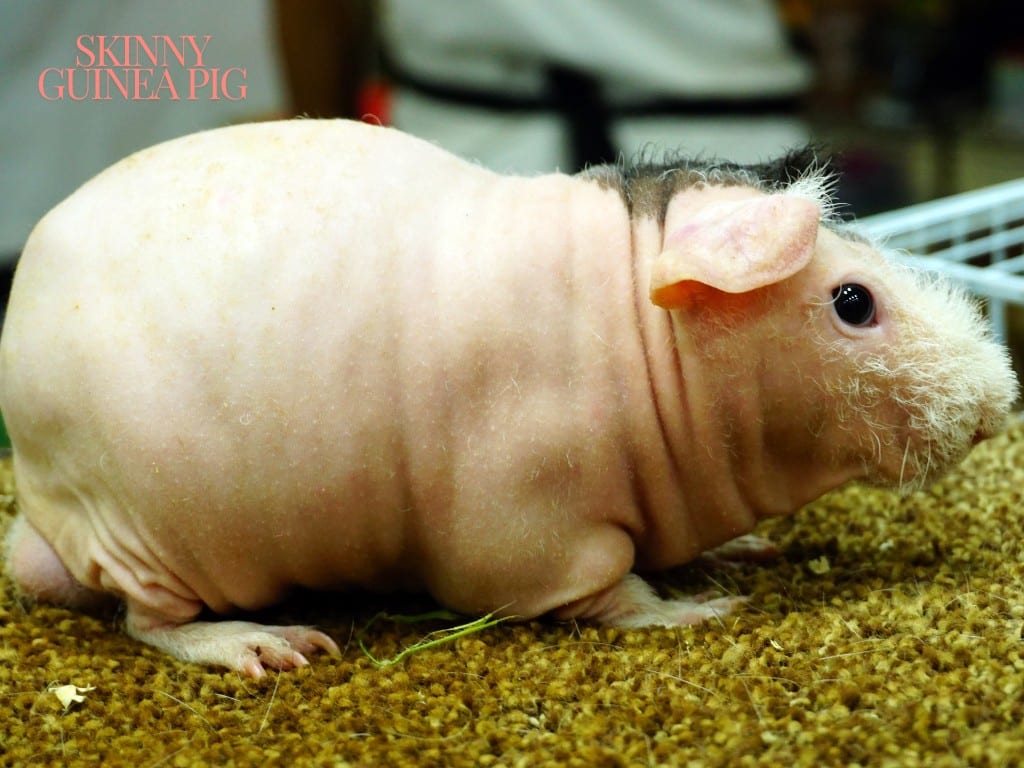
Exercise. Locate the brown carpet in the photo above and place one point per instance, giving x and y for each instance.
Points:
(891, 632)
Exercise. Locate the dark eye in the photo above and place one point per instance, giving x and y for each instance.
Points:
(854, 304)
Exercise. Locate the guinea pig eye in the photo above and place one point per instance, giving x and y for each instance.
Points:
(854, 304)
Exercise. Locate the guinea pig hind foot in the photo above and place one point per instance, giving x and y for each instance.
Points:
(242, 646)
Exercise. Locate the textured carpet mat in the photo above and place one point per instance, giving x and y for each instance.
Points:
(889, 632)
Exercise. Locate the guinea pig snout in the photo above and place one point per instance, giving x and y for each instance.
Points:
(989, 427)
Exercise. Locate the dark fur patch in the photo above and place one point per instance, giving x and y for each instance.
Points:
(647, 187)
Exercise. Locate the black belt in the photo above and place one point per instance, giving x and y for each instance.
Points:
(577, 97)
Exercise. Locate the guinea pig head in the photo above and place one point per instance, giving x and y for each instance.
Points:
(911, 364)
(818, 358)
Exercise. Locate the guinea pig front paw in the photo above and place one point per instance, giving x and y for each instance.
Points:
(242, 646)
(681, 612)
(739, 551)
(632, 602)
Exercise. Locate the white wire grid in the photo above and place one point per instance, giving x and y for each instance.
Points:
(976, 238)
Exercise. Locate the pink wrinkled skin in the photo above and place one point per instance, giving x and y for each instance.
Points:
(323, 354)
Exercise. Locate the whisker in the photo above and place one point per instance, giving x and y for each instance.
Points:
(903, 464)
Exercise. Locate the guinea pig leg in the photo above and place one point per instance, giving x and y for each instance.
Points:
(38, 573)
(632, 602)
(743, 549)
(242, 646)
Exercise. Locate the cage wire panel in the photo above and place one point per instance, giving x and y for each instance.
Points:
(976, 238)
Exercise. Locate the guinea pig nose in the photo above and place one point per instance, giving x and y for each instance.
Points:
(979, 435)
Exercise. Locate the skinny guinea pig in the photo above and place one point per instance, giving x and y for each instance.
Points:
(323, 354)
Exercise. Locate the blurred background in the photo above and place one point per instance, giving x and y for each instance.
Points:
(921, 98)
(918, 98)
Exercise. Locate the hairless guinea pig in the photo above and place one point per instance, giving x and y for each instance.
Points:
(323, 354)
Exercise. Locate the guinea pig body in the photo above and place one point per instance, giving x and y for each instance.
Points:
(324, 354)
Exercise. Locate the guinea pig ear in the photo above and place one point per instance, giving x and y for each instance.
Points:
(735, 246)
